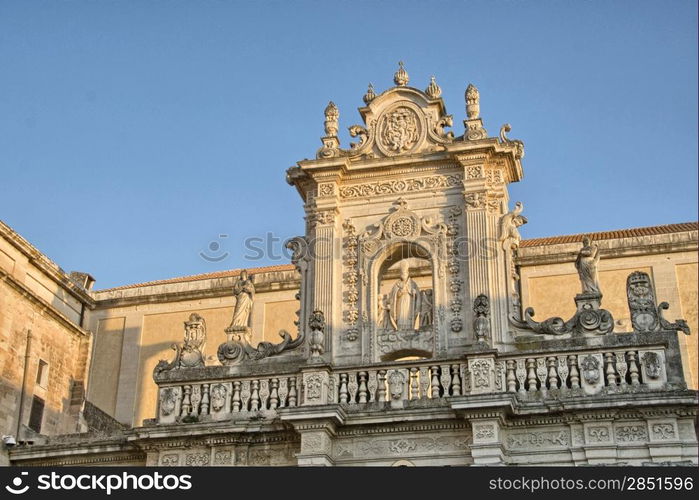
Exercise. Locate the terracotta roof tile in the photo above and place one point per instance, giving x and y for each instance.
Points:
(206, 276)
(608, 235)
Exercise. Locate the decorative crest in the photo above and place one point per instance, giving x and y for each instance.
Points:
(433, 90)
(189, 353)
(401, 77)
(370, 94)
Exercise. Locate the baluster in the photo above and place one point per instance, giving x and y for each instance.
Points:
(195, 399)
(511, 378)
(283, 392)
(553, 376)
(455, 383)
(414, 385)
(205, 399)
(343, 388)
(352, 387)
(381, 391)
(424, 381)
(434, 389)
(465, 379)
(245, 396)
(445, 378)
(531, 375)
(362, 387)
(541, 373)
(621, 367)
(264, 394)
(521, 373)
(563, 371)
(186, 401)
(255, 395)
(372, 385)
(633, 368)
(611, 373)
(274, 394)
(235, 400)
(293, 395)
(332, 388)
(574, 373)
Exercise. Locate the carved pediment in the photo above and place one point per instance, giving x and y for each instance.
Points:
(400, 121)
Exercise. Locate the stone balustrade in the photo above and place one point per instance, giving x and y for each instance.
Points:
(534, 375)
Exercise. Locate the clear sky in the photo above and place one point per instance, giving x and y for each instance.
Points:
(134, 133)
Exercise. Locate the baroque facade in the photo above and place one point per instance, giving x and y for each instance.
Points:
(413, 327)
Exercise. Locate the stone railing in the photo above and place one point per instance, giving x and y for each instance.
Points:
(223, 399)
(543, 372)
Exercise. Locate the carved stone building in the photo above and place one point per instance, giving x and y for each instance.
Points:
(405, 332)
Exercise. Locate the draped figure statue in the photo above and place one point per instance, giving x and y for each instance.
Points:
(404, 301)
(586, 264)
(244, 291)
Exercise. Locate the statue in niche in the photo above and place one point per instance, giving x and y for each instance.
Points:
(244, 292)
(404, 301)
(384, 316)
(426, 308)
(586, 264)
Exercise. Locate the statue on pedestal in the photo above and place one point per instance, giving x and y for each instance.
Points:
(244, 292)
(586, 264)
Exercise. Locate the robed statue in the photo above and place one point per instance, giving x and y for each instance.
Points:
(244, 292)
(586, 264)
(404, 301)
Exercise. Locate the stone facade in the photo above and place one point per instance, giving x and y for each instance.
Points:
(405, 331)
(44, 352)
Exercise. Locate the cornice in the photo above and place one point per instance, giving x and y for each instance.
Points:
(45, 265)
(27, 293)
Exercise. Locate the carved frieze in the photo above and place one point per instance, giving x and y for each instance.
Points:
(399, 186)
(537, 439)
(400, 446)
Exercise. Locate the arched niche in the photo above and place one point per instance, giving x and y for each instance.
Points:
(403, 312)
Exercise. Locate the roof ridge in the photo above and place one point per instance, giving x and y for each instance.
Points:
(196, 277)
(613, 233)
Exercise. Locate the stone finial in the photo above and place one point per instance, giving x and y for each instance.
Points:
(401, 77)
(433, 90)
(316, 323)
(332, 115)
(370, 94)
(473, 108)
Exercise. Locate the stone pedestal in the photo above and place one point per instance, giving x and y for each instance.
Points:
(317, 427)
(487, 448)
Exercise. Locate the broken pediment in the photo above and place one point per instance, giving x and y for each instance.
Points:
(400, 121)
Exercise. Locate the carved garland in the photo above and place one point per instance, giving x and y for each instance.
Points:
(351, 279)
(456, 324)
(401, 186)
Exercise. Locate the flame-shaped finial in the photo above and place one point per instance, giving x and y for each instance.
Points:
(433, 90)
(473, 108)
(332, 114)
(370, 94)
(401, 77)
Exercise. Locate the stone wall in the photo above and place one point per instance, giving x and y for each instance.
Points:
(549, 281)
(38, 297)
(136, 327)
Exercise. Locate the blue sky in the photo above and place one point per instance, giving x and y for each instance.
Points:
(134, 133)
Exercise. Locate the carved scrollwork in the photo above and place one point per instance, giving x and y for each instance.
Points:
(645, 315)
(188, 354)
